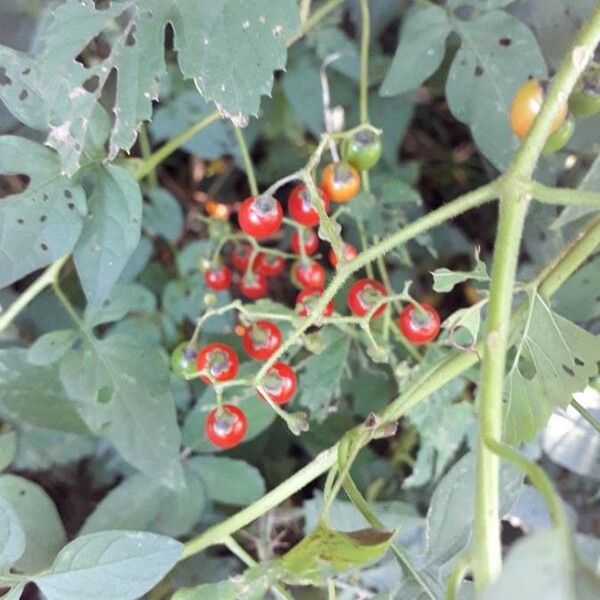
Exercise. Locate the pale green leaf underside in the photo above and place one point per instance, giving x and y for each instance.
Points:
(563, 358)
(12, 536)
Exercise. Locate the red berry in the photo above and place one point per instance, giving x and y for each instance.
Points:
(350, 252)
(261, 339)
(254, 286)
(218, 278)
(260, 216)
(364, 294)
(241, 256)
(301, 208)
(310, 275)
(419, 326)
(280, 383)
(310, 241)
(220, 360)
(307, 300)
(268, 265)
(226, 428)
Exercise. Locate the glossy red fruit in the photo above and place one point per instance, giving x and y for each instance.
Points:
(240, 257)
(261, 339)
(260, 216)
(220, 360)
(218, 278)
(310, 275)
(364, 294)
(268, 264)
(419, 326)
(310, 241)
(301, 208)
(280, 383)
(340, 181)
(254, 286)
(307, 300)
(350, 252)
(227, 427)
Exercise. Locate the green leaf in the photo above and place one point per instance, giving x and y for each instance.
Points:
(12, 536)
(163, 215)
(123, 300)
(141, 503)
(463, 326)
(480, 4)
(42, 223)
(112, 565)
(188, 260)
(121, 388)
(325, 552)
(35, 394)
(8, 448)
(111, 232)
(444, 279)
(543, 567)
(497, 54)
(50, 347)
(44, 532)
(558, 359)
(420, 51)
(227, 480)
(578, 298)
(322, 374)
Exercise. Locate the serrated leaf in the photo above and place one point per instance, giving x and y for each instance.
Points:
(142, 503)
(8, 448)
(112, 565)
(227, 480)
(325, 552)
(44, 532)
(497, 54)
(563, 358)
(121, 388)
(420, 51)
(123, 300)
(321, 376)
(42, 223)
(543, 567)
(163, 215)
(12, 536)
(50, 347)
(110, 234)
(444, 279)
(35, 394)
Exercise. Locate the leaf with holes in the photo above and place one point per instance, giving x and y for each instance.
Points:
(444, 279)
(558, 358)
(65, 91)
(41, 223)
(420, 51)
(497, 54)
(110, 234)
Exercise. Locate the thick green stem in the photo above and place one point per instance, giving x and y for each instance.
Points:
(564, 196)
(248, 166)
(146, 150)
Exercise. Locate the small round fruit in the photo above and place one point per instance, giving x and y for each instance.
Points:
(301, 207)
(310, 241)
(268, 265)
(218, 278)
(560, 137)
(307, 300)
(261, 339)
(280, 383)
(526, 105)
(226, 428)
(220, 360)
(340, 181)
(350, 252)
(362, 149)
(309, 275)
(254, 286)
(241, 256)
(585, 99)
(183, 360)
(419, 326)
(260, 216)
(364, 294)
